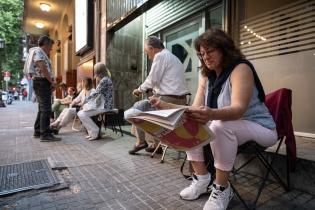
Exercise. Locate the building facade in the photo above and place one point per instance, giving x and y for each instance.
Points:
(277, 37)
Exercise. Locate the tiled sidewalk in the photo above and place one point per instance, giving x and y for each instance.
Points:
(102, 175)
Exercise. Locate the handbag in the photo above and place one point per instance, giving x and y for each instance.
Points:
(94, 104)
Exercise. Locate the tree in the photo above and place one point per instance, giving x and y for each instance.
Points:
(11, 14)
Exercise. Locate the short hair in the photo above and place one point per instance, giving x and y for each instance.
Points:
(154, 42)
(45, 40)
(101, 70)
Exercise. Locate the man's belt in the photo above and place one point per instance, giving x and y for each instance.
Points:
(175, 96)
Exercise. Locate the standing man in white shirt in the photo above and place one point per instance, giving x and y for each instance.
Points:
(166, 79)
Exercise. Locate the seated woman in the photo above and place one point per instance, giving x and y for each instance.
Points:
(234, 108)
(104, 94)
(68, 113)
(60, 104)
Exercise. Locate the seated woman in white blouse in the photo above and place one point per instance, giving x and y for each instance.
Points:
(68, 114)
(98, 102)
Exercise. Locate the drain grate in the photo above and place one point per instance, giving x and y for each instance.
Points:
(25, 176)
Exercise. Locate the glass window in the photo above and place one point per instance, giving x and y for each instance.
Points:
(215, 17)
(278, 38)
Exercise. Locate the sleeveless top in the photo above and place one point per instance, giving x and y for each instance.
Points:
(256, 111)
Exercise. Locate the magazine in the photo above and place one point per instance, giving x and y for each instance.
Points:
(172, 128)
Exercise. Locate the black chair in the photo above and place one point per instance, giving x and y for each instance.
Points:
(113, 119)
(279, 105)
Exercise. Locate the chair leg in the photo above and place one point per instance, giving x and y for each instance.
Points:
(268, 165)
(288, 173)
(288, 169)
(153, 153)
(163, 155)
(272, 171)
(120, 130)
(261, 187)
(245, 164)
(239, 197)
(73, 124)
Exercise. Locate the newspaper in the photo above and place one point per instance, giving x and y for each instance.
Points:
(172, 128)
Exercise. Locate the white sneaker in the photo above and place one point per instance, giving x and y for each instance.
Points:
(196, 188)
(219, 200)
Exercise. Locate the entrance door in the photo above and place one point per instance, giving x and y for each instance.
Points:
(180, 41)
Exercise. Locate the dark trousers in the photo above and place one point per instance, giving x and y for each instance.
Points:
(42, 89)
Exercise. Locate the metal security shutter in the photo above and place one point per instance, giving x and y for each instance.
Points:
(170, 11)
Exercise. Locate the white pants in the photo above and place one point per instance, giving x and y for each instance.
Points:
(228, 136)
(88, 123)
(65, 116)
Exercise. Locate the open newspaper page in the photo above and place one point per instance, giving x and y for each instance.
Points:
(171, 127)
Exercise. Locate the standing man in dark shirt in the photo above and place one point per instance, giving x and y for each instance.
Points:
(43, 85)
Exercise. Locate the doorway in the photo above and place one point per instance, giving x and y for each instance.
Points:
(180, 41)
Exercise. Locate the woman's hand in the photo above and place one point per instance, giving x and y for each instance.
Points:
(158, 103)
(201, 114)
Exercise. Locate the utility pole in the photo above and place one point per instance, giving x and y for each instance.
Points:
(2, 45)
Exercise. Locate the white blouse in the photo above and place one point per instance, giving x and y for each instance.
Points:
(81, 98)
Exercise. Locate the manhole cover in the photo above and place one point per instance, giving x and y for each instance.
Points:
(24, 176)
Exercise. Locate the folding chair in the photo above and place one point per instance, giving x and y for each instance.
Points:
(279, 105)
(164, 146)
(114, 119)
(75, 119)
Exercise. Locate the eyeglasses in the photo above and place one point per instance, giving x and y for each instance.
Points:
(208, 52)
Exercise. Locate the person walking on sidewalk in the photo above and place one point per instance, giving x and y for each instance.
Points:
(166, 79)
(43, 85)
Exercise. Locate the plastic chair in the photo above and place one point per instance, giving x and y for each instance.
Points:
(279, 105)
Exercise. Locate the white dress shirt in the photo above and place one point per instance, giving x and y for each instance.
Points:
(166, 76)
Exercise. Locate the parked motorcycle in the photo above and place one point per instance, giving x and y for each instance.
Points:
(9, 98)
